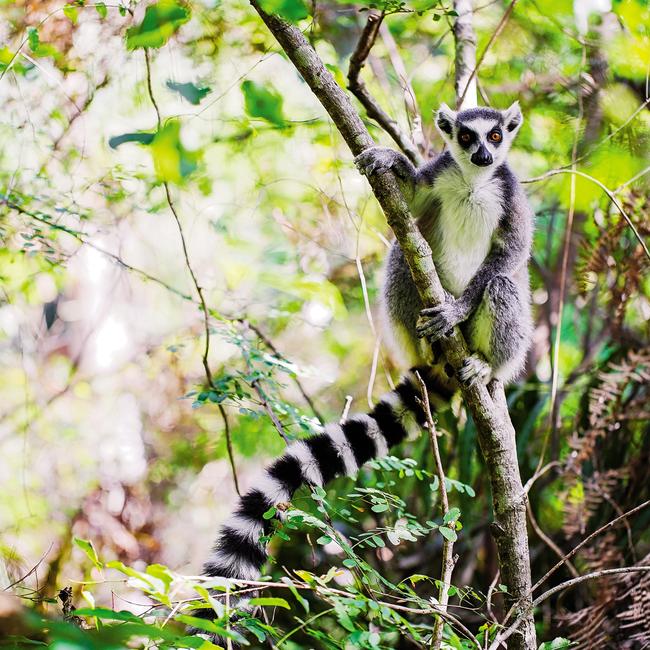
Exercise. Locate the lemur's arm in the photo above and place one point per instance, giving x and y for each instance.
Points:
(510, 251)
(377, 160)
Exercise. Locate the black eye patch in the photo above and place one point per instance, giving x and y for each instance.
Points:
(466, 137)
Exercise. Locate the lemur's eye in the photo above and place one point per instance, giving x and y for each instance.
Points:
(495, 136)
(465, 137)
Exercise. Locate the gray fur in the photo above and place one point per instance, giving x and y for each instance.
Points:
(475, 216)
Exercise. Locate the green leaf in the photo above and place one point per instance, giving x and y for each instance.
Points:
(88, 548)
(172, 161)
(556, 644)
(108, 614)
(270, 602)
(349, 563)
(451, 515)
(325, 539)
(71, 13)
(270, 513)
(100, 7)
(291, 10)
(33, 39)
(417, 577)
(448, 533)
(344, 617)
(193, 94)
(263, 101)
(161, 20)
(139, 136)
(379, 507)
(303, 601)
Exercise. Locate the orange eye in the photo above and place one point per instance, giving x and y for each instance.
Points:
(495, 136)
(465, 137)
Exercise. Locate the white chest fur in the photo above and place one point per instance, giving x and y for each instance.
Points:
(462, 233)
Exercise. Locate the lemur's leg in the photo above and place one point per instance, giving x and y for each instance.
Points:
(499, 331)
(377, 160)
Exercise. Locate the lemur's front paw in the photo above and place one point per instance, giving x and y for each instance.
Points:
(439, 321)
(376, 160)
(475, 369)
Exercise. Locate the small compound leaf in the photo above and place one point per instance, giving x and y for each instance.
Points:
(161, 21)
(193, 94)
(100, 7)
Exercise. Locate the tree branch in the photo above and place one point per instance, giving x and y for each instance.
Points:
(488, 409)
(505, 634)
(448, 544)
(358, 88)
(464, 78)
(465, 70)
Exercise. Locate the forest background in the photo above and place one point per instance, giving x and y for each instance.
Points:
(165, 173)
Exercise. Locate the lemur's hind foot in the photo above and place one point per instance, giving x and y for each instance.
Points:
(475, 369)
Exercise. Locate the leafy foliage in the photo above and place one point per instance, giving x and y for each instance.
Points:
(117, 452)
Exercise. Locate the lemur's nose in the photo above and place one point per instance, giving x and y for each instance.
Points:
(482, 157)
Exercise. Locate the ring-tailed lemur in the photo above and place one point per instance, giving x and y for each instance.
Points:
(474, 214)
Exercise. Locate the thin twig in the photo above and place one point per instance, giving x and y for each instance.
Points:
(610, 194)
(576, 548)
(47, 220)
(271, 346)
(554, 410)
(358, 88)
(488, 598)
(447, 544)
(172, 208)
(548, 541)
(346, 409)
(410, 100)
(505, 634)
(231, 456)
(270, 412)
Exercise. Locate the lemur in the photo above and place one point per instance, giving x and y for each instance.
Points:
(473, 212)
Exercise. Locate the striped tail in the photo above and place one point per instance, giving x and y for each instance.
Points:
(337, 450)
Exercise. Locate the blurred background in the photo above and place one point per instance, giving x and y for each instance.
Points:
(133, 158)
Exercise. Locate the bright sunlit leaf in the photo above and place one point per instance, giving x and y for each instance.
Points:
(161, 21)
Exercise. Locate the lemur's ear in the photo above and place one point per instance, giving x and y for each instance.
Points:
(445, 119)
(512, 118)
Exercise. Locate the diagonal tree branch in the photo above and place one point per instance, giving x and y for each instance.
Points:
(489, 409)
(358, 88)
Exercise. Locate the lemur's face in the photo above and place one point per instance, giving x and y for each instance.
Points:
(479, 138)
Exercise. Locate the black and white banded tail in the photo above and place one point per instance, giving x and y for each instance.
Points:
(336, 450)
